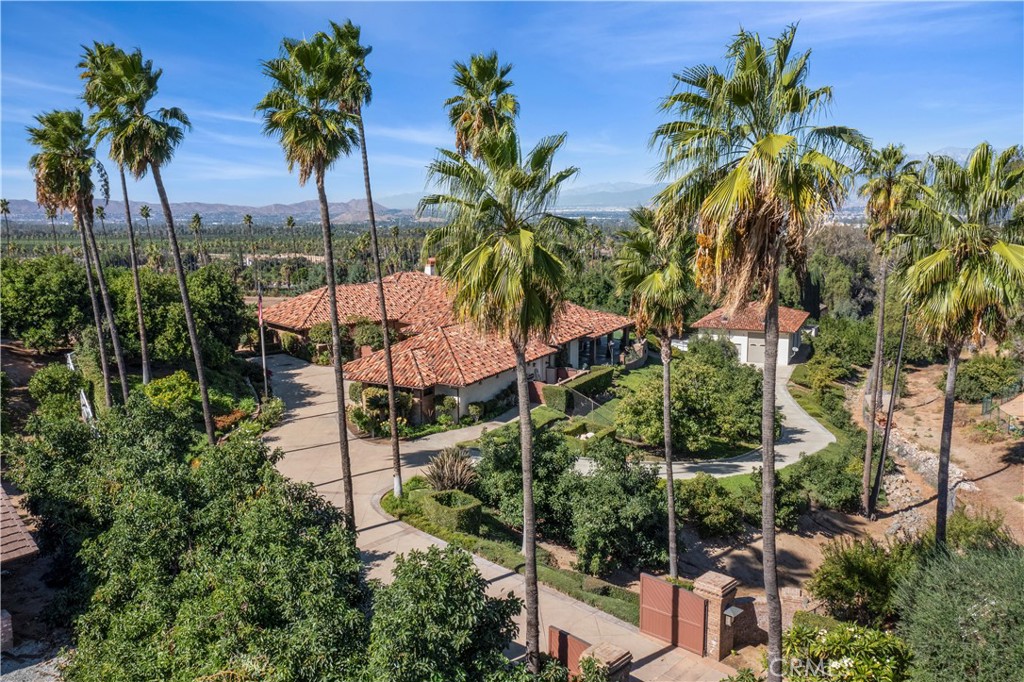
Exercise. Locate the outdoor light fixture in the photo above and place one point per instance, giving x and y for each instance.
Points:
(730, 614)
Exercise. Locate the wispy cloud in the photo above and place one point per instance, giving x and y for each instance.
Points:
(253, 141)
(399, 160)
(233, 116)
(198, 167)
(33, 84)
(433, 137)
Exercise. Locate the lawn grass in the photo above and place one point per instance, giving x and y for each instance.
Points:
(542, 415)
(501, 545)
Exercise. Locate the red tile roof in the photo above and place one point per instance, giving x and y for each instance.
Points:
(15, 540)
(418, 303)
(751, 318)
(414, 300)
(455, 355)
(441, 351)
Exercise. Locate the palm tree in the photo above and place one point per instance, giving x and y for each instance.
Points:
(145, 212)
(196, 226)
(289, 223)
(101, 69)
(66, 147)
(57, 179)
(5, 210)
(508, 261)
(353, 91)
(892, 182)
(748, 162)
(299, 110)
(657, 274)
(51, 215)
(485, 104)
(152, 137)
(964, 275)
(101, 213)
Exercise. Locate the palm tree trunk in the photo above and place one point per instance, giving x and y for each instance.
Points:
(115, 340)
(875, 379)
(186, 303)
(945, 443)
(529, 519)
(339, 377)
(880, 469)
(396, 455)
(133, 255)
(666, 415)
(771, 575)
(97, 317)
(53, 230)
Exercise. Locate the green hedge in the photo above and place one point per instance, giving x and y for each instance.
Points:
(815, 621)
(557, 398)
(596, 381)
(452, 509)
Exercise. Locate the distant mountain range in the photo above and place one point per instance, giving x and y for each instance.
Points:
(353, 211)
(604, 197)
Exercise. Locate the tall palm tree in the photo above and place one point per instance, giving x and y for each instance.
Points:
(891, 183)
(196, 227)
(145, 212)
(5, 210)
(964, 275)
(353, 92)
(104, 79)
(289, 224)
(152, 137)
(485, 104)
(66, 147)
(657, 275)
(59, 183)
(508, 261)
(299, 110)
(51, 215)
(748, 162)
(101, 213)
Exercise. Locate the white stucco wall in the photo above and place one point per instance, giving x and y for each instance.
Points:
(489, 387)
(788, 343)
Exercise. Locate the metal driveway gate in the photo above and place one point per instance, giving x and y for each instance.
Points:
(672, 614)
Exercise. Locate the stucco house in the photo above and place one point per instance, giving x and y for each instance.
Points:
(745, 329)
(437, 356)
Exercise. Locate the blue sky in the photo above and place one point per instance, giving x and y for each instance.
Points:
(929, 75)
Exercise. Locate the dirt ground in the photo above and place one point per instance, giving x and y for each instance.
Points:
(996, 468)
(20, 364)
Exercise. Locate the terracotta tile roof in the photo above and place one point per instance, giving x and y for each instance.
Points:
(15, 540)
(575, 321)
(414, 300)
(751, 318)
(454, 355)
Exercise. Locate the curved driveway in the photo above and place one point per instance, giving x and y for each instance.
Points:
(309, 438)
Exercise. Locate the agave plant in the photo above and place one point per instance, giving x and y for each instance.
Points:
(451, 469)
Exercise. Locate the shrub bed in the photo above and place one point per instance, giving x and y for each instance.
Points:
(557, 398)
(453, 509)
(596, 381)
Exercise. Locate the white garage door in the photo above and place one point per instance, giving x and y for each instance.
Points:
(755, 347)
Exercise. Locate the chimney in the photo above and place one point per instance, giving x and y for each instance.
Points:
(431, 267)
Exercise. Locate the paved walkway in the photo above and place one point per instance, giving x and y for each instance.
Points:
(801, 435)
(309, 438)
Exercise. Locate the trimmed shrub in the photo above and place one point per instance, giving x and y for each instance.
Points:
(177, 393)
(706, 503)
(321, 333)
(557, 398)
(985, 375)
(790, 500)
(370, 334)
(850, 653)
(55, 388)
(816, 621)
(858, 578)
(963, 616)
(453, 509)
(475, 411)
(596, 381)
(451, 469)
(355, 392)
(448, 405)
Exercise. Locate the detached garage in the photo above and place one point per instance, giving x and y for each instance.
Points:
(745, 329)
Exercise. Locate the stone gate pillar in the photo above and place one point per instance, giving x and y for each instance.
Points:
(719, 590)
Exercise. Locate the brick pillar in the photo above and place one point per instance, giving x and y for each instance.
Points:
(719, 590)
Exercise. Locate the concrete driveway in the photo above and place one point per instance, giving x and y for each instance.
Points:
(309, 438)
